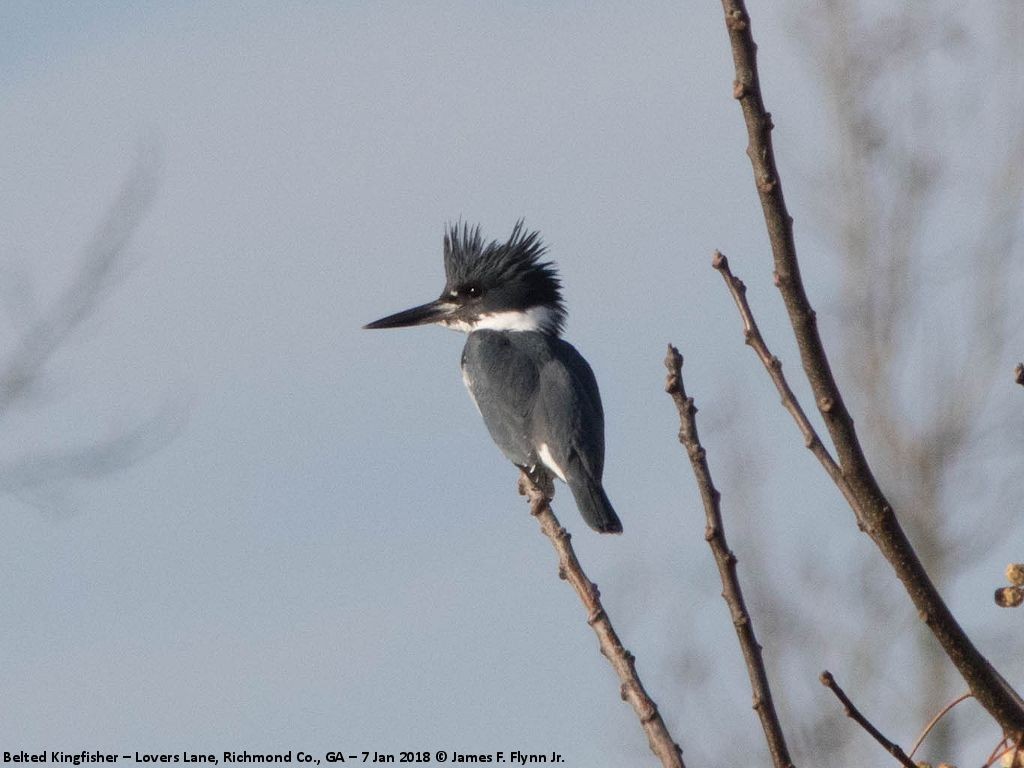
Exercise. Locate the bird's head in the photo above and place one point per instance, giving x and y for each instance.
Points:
(498, 286)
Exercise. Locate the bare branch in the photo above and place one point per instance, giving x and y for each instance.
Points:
(754, 339)
(714, 533)
(632, 689)
(1001, 748)
(1008, 752)
(900, 124)
(853, 713)
(872, 509)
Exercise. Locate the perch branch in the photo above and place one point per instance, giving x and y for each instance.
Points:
(632, 689)
(714, 533)
(853, 713)
(873, 511)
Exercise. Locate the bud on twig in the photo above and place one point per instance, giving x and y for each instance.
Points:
(1009, 597)
(1015, 574)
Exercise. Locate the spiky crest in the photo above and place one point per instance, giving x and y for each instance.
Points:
(468, 260)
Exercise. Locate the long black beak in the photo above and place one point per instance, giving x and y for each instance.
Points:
(433, 312)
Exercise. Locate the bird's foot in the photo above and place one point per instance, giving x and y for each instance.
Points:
(540, 478)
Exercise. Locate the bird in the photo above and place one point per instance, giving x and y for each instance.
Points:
(537, 394)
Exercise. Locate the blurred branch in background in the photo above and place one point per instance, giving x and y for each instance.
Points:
(921, 202)
(873, 511)
(43, 332)
(924, 209)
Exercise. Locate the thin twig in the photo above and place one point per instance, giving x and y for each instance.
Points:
(934, 720)
(853, 713)
(872, 509)
(714, 533)
(1001, 751)
(632, 690)
(752, 336)
(1003, 745)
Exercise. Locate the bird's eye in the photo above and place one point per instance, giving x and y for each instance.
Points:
(472, 291)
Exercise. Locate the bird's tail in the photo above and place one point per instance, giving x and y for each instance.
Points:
(594, 505)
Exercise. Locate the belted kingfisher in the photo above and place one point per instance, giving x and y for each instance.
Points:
(537, 394)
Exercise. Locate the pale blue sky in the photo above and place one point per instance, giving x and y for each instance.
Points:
(331, 554)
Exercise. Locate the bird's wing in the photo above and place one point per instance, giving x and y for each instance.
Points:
(569, 418)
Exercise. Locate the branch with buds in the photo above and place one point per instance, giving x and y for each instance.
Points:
(854, 714)
(714, 533)
(1013, 595)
